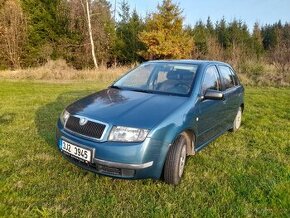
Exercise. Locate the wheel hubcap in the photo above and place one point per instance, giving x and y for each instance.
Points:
(182, 160)
(238, 119)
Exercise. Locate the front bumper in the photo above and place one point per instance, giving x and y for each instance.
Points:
(121, 160)
(123, 165)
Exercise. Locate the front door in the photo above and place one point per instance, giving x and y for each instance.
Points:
(211, 112)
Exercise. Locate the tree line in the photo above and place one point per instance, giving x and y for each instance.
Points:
(35, 31)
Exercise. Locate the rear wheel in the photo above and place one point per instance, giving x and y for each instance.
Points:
(237, 121)
(175, 161)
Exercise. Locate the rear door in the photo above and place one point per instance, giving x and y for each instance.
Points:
(231, 92)
(211, 112)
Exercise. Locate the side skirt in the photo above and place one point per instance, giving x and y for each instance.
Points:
(200, 147)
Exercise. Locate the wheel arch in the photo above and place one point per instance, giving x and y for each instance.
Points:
(172, 133)
(167, 175)
(190, 150)
(242, 106)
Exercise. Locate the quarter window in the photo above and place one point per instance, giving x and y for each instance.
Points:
(227, 77)
(211, 80)
(237, 82)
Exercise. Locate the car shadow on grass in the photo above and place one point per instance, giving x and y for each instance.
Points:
(46, 116)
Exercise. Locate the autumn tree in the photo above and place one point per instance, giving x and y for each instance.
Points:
(164, 36)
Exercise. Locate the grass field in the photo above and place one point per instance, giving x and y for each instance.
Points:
(238, 175)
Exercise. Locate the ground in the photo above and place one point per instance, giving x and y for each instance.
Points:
(240, 174)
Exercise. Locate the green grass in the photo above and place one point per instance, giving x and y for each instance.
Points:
(241, 174)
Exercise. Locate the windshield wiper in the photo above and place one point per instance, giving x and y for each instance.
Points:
(115, 87)
(141, 90)
(130, 89)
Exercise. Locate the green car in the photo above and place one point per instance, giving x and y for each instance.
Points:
(146, 123)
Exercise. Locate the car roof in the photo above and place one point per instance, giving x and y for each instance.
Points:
(189, 61)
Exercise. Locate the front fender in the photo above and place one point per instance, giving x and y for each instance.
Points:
(173, 126)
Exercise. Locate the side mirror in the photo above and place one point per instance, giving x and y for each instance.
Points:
(213, 95)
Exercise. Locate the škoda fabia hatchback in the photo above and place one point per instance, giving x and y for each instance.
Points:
(148, 122)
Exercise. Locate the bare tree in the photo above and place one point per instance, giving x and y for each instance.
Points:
(280, 56)
(12, 32)
(88, 15)
(214, 50)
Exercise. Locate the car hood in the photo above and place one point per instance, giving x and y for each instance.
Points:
(127, 108)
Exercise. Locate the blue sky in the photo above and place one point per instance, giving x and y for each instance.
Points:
(250, 11)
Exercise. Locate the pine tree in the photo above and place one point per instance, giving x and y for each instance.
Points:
(128, 44)
(206, 43)
(209, 26)
(135, 26)
(124, 13)
(222, 33)
(270, 37)
(200, 35)
(46, 28)
(257, 41)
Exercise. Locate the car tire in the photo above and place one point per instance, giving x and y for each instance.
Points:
(175, 161)
(238, 120)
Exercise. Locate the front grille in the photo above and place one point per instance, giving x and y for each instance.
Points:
(90, 129)
(112, 171)
(105, 170)
(109, 170)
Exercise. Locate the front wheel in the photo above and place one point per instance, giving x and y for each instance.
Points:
(175, 161)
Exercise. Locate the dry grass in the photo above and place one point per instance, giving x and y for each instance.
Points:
(59, 71)
(250, 73)
(262, 74)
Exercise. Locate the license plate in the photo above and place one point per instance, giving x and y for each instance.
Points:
(76, 151)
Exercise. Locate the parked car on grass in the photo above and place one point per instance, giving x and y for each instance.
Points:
(146, 123)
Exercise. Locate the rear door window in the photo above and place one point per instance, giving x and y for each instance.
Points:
(227, 77)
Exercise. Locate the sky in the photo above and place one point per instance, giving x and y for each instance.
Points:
(249, 11)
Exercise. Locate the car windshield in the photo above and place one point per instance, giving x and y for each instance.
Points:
(169, 78)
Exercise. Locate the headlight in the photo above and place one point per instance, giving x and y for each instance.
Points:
(64, 117)
(127, 134)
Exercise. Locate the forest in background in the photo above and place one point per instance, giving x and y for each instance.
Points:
(34, 32)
